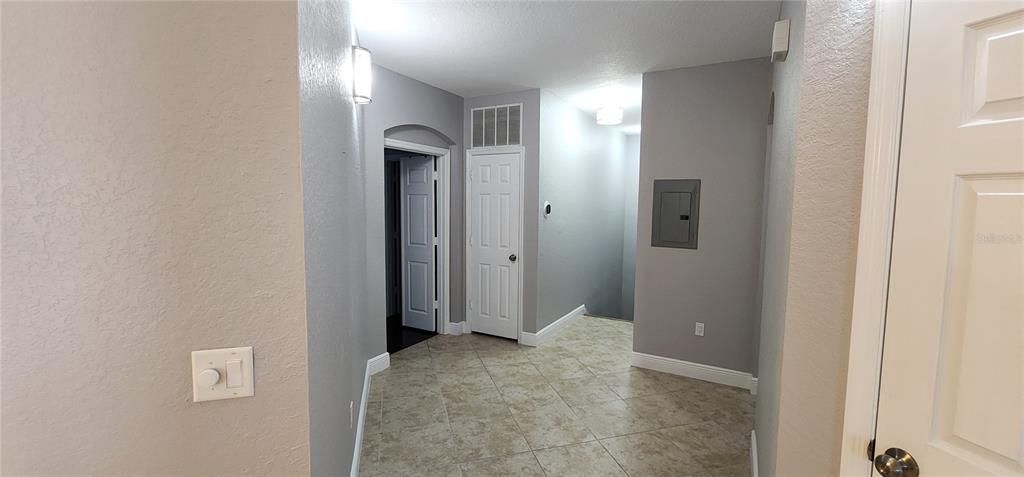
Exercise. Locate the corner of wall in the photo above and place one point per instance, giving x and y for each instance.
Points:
(828, 153)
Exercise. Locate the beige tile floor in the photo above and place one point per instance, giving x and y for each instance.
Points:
(474, 405)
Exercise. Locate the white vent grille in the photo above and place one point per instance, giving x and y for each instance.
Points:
(497, 125)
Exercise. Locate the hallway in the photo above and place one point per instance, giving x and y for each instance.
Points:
(477, 405)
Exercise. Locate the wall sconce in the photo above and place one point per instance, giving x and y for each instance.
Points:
(609, 115)
(362, 75)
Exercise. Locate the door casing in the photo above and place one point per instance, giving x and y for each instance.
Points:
(443, 284)
(877, 218)
(468, 226)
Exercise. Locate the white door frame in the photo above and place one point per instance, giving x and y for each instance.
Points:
(469, 226)
(877, 216)
(444, 176)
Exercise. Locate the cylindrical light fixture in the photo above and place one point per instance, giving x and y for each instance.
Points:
(362, 75)
(609, 115)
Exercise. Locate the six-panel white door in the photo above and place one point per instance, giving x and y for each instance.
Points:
(952, 390)
(494, 220)
(418, 248)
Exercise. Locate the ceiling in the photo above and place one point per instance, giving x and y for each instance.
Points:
(625, 92)
(475, 48)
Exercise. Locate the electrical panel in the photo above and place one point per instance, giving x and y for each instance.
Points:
(676, 213)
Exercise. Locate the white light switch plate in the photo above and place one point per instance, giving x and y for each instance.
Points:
(218, 360)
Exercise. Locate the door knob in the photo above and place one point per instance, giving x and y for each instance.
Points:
(896, 462)
(512, 258)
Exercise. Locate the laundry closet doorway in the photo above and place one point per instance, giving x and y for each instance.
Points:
(416, 235)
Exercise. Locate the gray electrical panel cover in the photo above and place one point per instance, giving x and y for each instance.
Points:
(676, 213)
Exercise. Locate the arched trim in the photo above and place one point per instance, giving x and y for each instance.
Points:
(419, 127)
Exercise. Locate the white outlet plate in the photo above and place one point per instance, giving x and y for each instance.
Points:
(699, 329)
(218, 359)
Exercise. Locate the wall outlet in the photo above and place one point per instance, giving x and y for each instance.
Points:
(699, 329)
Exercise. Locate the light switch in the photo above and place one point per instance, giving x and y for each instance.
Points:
(232, 368)
(234, 373)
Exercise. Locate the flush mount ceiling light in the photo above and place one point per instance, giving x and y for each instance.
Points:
(362, 75)
(609, 115)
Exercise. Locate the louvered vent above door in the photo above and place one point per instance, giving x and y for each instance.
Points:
(497, 125)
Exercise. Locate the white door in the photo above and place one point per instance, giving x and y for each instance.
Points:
(952, 389)
(418, 245)
(495, 218)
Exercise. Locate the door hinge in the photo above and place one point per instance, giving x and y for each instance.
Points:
(435, 176)
(436, 241)
(871, 450)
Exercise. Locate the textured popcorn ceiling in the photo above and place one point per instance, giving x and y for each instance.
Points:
(481, 48)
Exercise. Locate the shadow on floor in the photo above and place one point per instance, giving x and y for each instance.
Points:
(401, 337)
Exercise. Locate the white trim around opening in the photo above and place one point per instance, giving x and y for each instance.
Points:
(443, 211)
(878, 209)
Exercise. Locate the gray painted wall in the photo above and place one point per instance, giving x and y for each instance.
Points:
(411, 110)
(806, 327)
(708, 123)
(581, 242)
(531, 185)
(338, 333)
(631, 191)
(778, 217)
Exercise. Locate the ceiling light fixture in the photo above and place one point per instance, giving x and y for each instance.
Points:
(609, 115)
(362, 75)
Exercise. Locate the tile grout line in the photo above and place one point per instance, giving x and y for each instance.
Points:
(514, 421)
(547, 380)
(623, 469)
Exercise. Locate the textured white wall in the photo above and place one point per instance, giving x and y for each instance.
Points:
(151, 206)
(827, 162)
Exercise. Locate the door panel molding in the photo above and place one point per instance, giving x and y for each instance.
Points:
(473, 289)
(418, 252)
(940, 286)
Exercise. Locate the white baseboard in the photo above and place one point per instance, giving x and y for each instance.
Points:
(535, 339)
(457, 328)
(753, 453)
(378, 363)
(354, 471)
(703, 372)
(753, 386)
(374, 365)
